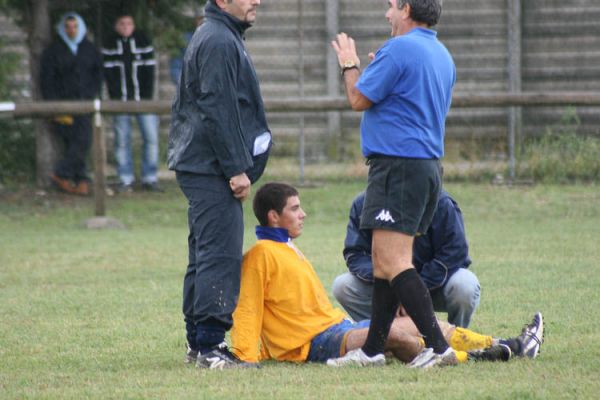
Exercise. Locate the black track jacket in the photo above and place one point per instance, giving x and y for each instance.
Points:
(218, 110)
(64, 75)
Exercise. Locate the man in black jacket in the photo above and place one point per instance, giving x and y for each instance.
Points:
(71, 70)
(129, 66)
(218, 145)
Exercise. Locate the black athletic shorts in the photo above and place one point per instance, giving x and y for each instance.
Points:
(402, 194)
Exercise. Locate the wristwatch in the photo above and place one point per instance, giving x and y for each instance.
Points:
(349, 64)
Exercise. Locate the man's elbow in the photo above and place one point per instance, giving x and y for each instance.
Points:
(360, 103)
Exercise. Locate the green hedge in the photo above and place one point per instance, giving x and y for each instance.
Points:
(562, 155)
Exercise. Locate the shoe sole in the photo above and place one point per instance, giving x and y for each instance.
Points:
(375, 361)
(335, 364)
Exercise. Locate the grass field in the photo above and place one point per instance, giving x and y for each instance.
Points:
(96, 314)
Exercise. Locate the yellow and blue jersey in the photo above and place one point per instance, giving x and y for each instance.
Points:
(282, 305)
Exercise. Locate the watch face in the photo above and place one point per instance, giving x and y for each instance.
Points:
(348, 64)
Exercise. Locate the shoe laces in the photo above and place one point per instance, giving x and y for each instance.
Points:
(225, 350)
(526, 332)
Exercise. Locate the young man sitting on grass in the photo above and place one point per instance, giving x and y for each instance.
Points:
(284, 313)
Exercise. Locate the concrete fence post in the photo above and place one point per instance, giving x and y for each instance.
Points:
(514, 80)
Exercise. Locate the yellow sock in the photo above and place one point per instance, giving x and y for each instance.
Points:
(461, 356)
(465, 340)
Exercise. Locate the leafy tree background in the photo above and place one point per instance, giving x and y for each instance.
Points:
(17, 141)
(164, 20)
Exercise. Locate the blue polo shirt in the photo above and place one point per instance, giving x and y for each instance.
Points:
(410, 84)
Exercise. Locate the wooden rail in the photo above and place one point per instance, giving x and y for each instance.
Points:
(298, 104)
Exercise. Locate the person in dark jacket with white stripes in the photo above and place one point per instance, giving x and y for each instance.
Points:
(129, 67)
(218, 146)
(441, 257)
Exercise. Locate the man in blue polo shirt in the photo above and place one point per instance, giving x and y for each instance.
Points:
(440, 255)
(405, 94)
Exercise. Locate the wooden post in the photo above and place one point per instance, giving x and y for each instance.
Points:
(514, 79)
(99, 150)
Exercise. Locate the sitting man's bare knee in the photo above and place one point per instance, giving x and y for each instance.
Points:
(403, 346)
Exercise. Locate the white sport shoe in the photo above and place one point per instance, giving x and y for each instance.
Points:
(532, 337)
(427, 359)
(357, 357)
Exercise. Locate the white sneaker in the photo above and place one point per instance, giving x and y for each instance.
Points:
(427, 359)
(357, 357)
(532, 337)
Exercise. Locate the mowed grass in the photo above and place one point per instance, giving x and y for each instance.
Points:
(96, 314)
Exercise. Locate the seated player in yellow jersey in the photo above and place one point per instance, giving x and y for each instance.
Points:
(284, 312)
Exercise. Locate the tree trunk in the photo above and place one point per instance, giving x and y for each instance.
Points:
(39, 36)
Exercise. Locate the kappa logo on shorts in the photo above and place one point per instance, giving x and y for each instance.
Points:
(384, 216)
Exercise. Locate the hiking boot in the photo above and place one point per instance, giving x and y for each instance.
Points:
(532, 337)
(221, 358)
(427, 359)
(499, 352)
(357, 357)
(125, 188)
(190, 355)
(63, 184)
(82, 188)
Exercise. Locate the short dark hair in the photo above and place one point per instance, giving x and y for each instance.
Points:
(424, 11)
(271, 196)
(124, 15)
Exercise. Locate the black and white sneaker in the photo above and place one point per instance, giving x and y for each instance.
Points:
(498, 352)
(221, 358)
(532, 337)
(190, 355)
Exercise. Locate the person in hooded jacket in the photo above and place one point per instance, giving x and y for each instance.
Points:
(218, 146)
(71, 69)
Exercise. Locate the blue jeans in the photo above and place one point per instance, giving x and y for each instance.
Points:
(459, 297)
(148, 124)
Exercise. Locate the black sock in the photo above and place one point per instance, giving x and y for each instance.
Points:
(414, 296)
(383, 310)
(190, 330)
(514, 344)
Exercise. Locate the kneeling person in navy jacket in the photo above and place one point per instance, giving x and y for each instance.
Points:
(441, 257)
